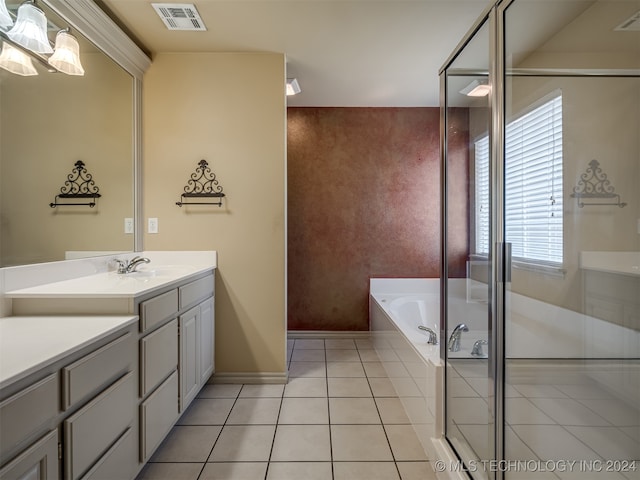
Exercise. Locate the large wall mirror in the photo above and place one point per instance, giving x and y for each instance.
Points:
(48, 122)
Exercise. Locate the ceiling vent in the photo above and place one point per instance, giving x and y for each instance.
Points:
(631, 24)
(180, 16)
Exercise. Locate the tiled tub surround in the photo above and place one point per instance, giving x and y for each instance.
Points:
(337, 418)
(573, 400)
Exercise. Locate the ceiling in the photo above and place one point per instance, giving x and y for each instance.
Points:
(387, 53)
(360, 53)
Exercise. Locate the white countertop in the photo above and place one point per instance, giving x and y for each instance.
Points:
(164, 269)
(621, 263)
(28, 344)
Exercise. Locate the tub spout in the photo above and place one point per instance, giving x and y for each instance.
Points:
(433, 338)
(454, 339)
(477, 348)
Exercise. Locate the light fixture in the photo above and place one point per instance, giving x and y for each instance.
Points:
(66, 57)
(293, 88)
(16, 61)
(30, 29)
(5, 19)
(477, 88)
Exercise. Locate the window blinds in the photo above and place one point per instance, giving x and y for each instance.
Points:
(533, 186)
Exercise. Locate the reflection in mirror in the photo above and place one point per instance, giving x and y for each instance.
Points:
(48, 122)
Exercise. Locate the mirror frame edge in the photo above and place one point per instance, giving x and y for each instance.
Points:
(88, 19)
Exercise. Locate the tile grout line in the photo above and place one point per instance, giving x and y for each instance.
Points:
(386, 436)
(219, 433)
(275, 431)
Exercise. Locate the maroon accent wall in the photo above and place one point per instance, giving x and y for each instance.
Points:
(363, 201)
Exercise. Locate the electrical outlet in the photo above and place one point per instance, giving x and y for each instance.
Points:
(152, 225)
(128, 225)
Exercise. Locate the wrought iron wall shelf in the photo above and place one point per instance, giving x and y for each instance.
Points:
(79, 185)
(595, 189)
(202, 188)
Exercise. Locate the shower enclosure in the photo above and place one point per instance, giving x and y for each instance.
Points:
(540, 297)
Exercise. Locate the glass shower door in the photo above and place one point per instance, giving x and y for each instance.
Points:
(466, 293)
(571, 208)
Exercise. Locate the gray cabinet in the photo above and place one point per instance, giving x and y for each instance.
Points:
(90, 432)
(158, 413)
(189, 356)
(38, 462)
(158, 356)
(27, 414)
(207, 340)
(196, 350)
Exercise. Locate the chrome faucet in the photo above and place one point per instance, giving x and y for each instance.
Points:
(433, 338)
(130, 266)
(477, 348)
(454, 339)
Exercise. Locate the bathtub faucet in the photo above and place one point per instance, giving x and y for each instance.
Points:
(454, 339)
(433, 338)
(477, 348)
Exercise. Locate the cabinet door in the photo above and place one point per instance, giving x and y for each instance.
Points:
(38, 462)
(207, 336)
(189, 357)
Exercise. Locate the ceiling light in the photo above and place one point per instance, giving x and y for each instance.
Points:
(66, 57)
(5, 19)
(30, 29)
(16, 61)
(477, 88)
(293, 88)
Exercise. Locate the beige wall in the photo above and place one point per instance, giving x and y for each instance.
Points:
(228, 109)
(601, 121)
(49, 122)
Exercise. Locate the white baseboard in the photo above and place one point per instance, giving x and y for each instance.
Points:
(327, 334)
(257, 378)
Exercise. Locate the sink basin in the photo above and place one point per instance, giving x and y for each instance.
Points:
(164, 271)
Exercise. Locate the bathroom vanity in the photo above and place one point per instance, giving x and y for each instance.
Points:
(96, 370)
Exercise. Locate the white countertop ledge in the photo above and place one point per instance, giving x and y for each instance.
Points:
(164, 269)
(621, 263)
(28, 344)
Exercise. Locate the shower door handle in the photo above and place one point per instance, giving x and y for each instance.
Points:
(504, 262)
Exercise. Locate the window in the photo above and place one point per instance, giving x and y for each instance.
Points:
(533, 186)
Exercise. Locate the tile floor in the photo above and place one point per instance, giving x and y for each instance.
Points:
(551, 413)
(337, 418)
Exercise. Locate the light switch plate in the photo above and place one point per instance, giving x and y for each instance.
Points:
(128, 225)
(152, 225)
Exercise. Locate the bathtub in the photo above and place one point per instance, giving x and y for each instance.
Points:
(535, 333)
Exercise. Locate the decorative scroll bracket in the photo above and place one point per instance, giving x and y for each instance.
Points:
(594, 186)
(78, 185)
(202, 185)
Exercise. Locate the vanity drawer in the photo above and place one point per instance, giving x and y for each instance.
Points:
(193, 292)
(158, 356)
(157, 415)
(90, 432)
(27, 412)
(97, 370)
(120, 461)
(158, 309)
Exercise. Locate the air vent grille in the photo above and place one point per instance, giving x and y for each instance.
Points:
(631, 24)
(180, 16)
